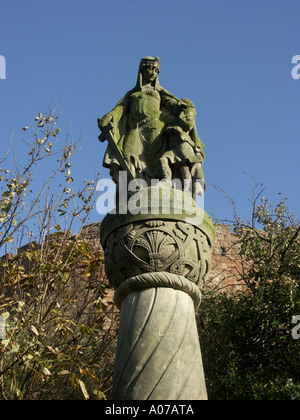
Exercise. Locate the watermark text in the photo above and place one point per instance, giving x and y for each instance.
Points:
(2, 67)
(2, 328)
(135, 196)
(296, 329)
(296, 68)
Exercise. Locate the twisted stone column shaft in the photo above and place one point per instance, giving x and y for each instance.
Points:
(158, 354)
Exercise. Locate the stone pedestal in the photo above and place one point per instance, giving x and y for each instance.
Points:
(157, 262)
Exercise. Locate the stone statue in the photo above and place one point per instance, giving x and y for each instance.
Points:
(156, 260)
(152, 133)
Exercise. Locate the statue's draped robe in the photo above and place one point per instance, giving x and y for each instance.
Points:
(139, 122)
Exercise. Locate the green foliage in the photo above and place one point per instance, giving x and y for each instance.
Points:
(246, 337)
(59, 339)
(60, 333)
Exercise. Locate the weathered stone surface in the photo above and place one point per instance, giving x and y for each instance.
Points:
(157, 279)
(157, 243)
(158, 266)
(152, 134)
(158, 354)
(160, 246)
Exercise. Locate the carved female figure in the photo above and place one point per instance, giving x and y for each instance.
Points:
(138, 121)
(154, 131)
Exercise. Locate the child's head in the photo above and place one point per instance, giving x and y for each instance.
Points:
(186, 114)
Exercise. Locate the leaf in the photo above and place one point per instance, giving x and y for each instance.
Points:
(46, 371)
(99, 394)
(5, 343)
(57, 227)
(5, 315)
(34, 330)
(51, 349)
(83, 389)
(64, 372)
(70, 179)
(14, 349)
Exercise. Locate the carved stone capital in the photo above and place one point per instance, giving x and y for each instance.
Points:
(157, 250)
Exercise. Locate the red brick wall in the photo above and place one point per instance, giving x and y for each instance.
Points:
(225, 261)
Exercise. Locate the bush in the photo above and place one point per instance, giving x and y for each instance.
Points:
(246, 337)
(60, 332)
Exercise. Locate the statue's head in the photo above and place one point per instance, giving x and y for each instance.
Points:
(148, 71)
(149, 62)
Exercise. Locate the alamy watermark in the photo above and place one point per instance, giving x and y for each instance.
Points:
(135, 197)
(296, 68)
(2, 67)
(296, 329)
(2, 328)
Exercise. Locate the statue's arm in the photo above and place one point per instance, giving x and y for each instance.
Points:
(113, 117)
(169, 101)
(104, 121)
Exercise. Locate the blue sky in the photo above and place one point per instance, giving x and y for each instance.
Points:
(232, 58)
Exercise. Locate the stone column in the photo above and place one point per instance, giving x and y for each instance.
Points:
(157, 262)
